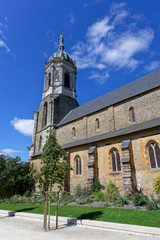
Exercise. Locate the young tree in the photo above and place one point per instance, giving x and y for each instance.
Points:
(54, 165)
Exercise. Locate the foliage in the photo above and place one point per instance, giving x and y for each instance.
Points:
(156, 185)
(78, 190)
(112, 188)
(99, 196)
(96, 186)
(139, 199)
(66, 197)
(14, 176)
(152, 204)
(54, 165)
(112, 192)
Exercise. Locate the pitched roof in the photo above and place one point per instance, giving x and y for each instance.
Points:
(139, 86)
(120, 132)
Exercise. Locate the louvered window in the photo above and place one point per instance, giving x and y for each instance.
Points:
(116, 163)
(154, 155)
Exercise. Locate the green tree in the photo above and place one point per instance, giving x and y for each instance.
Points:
(14, 176)
(4, 174)
(54, 165)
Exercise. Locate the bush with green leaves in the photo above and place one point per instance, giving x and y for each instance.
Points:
(156, 185)
(96, 186)
(152, 204)
(78, 190)
(139, 199)
(66, 198)
(112, 191)
(99, 196)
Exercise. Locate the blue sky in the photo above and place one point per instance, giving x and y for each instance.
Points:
(113, 43)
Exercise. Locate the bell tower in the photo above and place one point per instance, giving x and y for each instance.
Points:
(60, 74)
(58, 97)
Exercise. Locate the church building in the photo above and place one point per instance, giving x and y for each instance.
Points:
(114, 137)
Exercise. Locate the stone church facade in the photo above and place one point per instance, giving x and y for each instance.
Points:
(114, 137)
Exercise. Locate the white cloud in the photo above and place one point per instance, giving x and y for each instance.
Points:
(72, 18)
(24, 126)
(152, 66)
(3, 43)
(112, 43)
(8, 151)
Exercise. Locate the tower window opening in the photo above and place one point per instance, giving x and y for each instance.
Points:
(44, 119)
(49, 79)
(66, 80)
(40, 143)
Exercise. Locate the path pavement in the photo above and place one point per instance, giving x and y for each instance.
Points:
(25, 226)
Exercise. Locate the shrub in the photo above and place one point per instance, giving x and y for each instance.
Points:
(139, 199)
(78, 190)
(89, 200)
(38, 198)
(16, 199)
(112, 188)
(156, 185)
(96, 186)
(112, 192)
(152, 205)
(66, 197)
(99, 196)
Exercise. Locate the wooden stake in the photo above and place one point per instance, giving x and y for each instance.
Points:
(49, 213)
(57, 210)
(45, 212)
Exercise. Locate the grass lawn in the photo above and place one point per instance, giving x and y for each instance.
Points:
(136, 217)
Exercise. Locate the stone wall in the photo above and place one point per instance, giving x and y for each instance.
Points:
(146, 106)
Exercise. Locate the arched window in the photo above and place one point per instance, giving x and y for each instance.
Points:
(73, 132)
(66, 80)
(96, 124)
(44, 119)
(132, 117)
(40, 143)
(49, 79)
(154, 155)
(116, 163)
(78, 165)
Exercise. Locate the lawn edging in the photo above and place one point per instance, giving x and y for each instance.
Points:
(88, 223)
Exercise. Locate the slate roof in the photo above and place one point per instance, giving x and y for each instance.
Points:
(139, 86)
(120, 132)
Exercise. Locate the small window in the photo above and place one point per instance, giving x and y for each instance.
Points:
(116, 163)
(78, 165)
(154, 155)
(66, 80)
(132, 117)
(49, 79)
(97, 124)
(73, 132)
(40, 143)
(44, 119)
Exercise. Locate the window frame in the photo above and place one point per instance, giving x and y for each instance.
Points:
(154, 159)
(116, 160)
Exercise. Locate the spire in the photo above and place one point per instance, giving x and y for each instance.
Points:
(61, 46)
